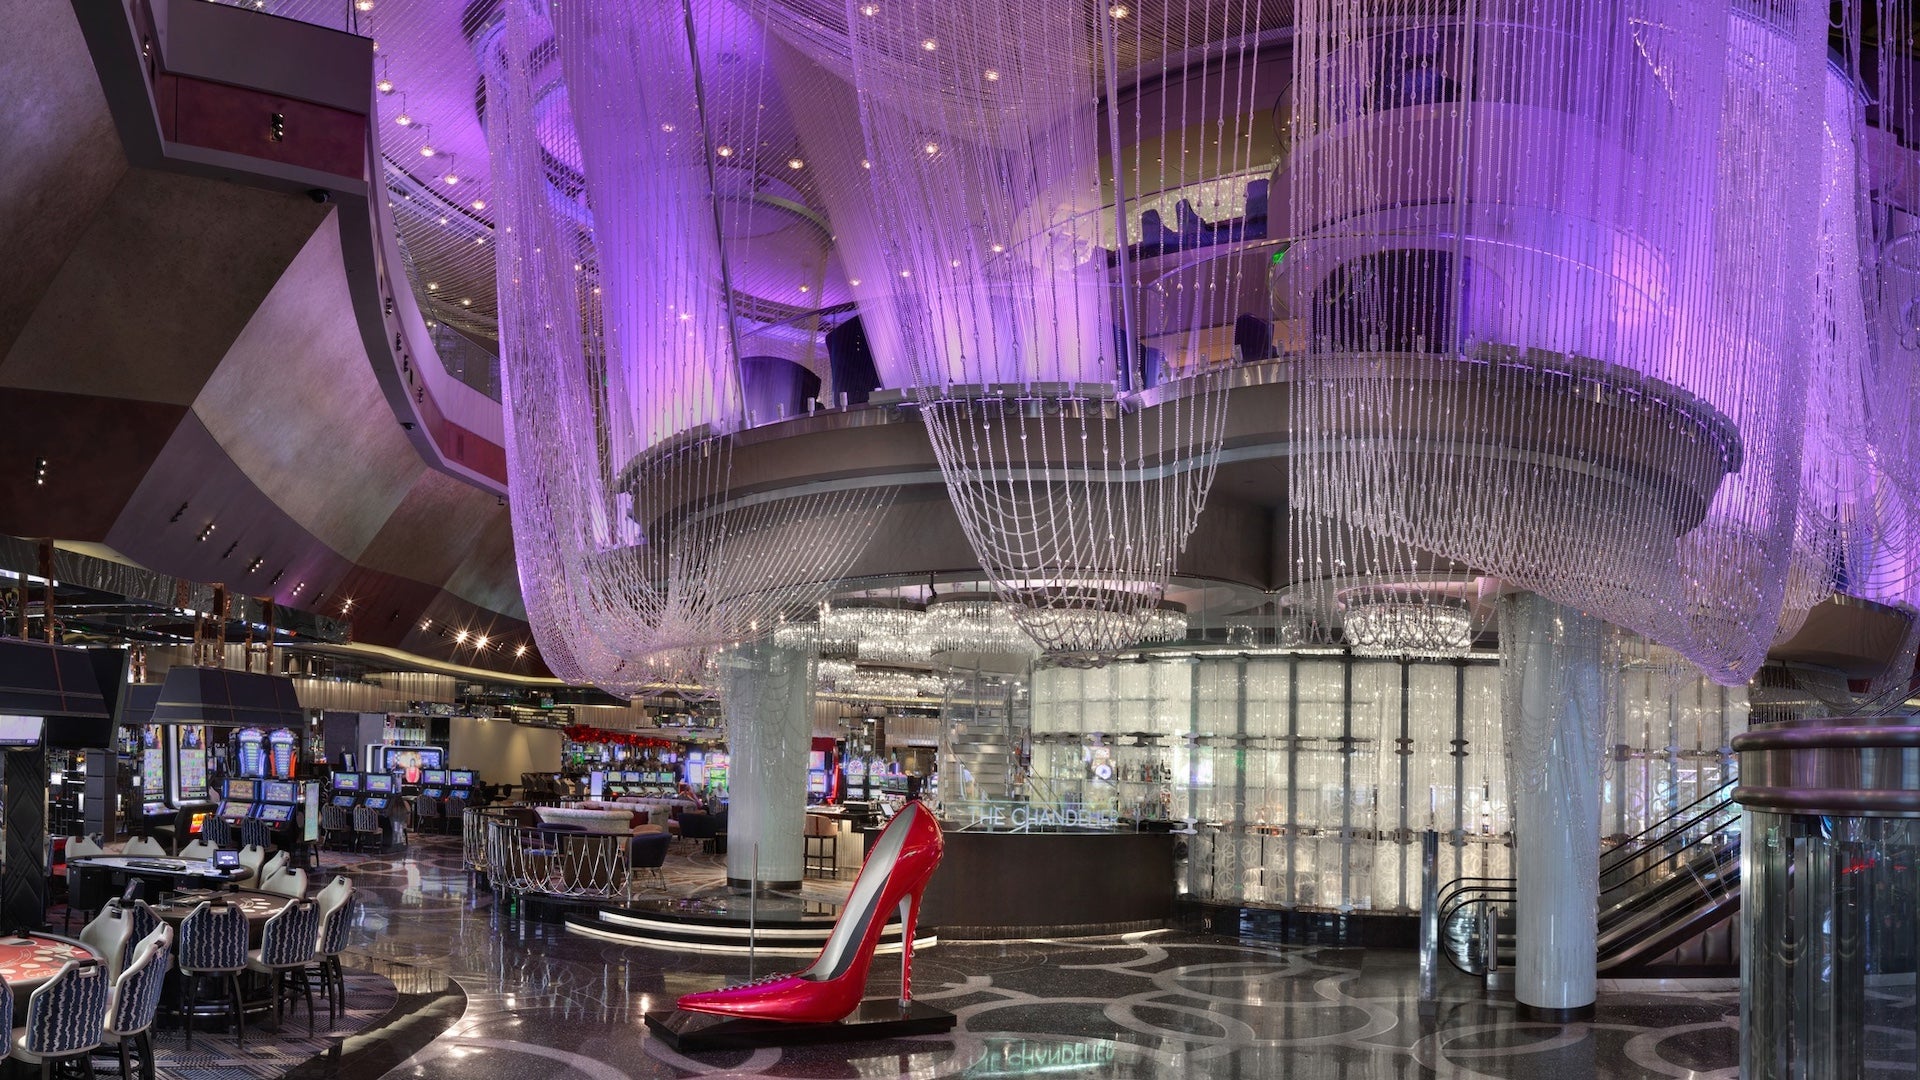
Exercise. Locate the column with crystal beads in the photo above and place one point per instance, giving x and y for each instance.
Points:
(767, 696)
(1553, 690)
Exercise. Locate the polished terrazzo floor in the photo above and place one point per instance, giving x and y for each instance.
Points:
(533, 1000)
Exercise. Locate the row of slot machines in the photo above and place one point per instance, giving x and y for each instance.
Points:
(276, 802)
(377, 790)
(614, 782)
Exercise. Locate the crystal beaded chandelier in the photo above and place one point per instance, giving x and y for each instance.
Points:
(1017, 171)
(1545, 276)
(623, 219)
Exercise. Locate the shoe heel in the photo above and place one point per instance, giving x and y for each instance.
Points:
(909, 923)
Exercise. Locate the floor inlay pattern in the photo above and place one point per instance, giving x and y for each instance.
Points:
(543, 1002)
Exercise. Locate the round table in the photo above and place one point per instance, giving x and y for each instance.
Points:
(26, 963)
(259, 907)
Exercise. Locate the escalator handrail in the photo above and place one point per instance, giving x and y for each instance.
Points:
(1671, 856)
(1451, 890)
(1639, 841)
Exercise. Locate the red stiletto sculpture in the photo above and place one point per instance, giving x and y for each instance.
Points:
(895, 875)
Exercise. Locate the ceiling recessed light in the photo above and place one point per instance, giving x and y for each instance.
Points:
(796, 163)
(363, 5)
(805, 288)
(385, 86)
(724, 151)
(869, 10)
(1119, 11)
(990, 75)
(479, 204)
(433, 286)
(453, 178)
(403, 120)
(853, 281)
(428, 150)
(931, 148)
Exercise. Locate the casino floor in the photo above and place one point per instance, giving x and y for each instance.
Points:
(487, 995)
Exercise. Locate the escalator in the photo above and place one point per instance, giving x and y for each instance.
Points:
(1675, 881)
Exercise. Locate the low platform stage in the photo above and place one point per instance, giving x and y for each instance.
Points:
(714, 921)
(876, 1018)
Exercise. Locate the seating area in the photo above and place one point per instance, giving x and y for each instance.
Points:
(207, 962)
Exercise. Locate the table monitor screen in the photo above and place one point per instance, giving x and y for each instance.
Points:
(241, 791)
(346, 781)
(433, 776)
(461, 777)
(279, 791)
(380, 782)
(278, 815)
(226, 860)
(343, 800)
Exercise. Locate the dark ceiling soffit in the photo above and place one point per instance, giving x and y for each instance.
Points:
(192, 695)
(38, 679)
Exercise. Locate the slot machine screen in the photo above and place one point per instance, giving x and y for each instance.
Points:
(596, 783)
(376, 803)
(433, 776)
(279, 791)
(343, 800)
(346, 781)
(379, 783)
(461, 777)
(242, 791)
(278, 815)
(433, 792)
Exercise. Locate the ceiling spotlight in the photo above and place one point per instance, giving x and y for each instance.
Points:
(929, 45)
(460, 636)
(39, 472)
(996, 248)
(865, 164)
(346, 605)
(724, 151)
(666, 128)
(443, 219)
(906, 273)
(796, 163)
(256, 564)
(206, 532)
(481, 642)
(869, 10)
(520, 651)
(479, 204)
(466, 301)
(931, 148)
(428, 150)
(363, 5)
(853, 281)
(804, 288)
(404, 120)
(433, 286)
(1119, 11)
(990, 75)
(452, 178)
(385, 86)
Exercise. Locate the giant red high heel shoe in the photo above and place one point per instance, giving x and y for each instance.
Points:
(895, 875)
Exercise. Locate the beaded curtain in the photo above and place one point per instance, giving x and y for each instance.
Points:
(624, 310)
(1548, 259)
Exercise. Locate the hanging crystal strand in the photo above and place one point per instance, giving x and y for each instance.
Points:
(1541, 267)
(624, 155)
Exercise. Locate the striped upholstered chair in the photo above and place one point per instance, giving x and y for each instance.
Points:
(336, 923)
(286, 952)
(136, 1000)
(213, 945)
(64, 1017)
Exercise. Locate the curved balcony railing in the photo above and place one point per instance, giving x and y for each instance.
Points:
(554, 862)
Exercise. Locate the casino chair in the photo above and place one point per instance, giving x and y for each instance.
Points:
(287, 948)
(251, 859)
(366, 826)
(81, 846)
(111, 936)
(427, 812)
(336, 826)
(198, 850)
(87, 892)
(648, 851)
(213, 945)
(65, 1018)
(336, 922)
(290, 881)
(255, 833)
(145, 847)
(271, 869)
(136, 1001)
(218, 832)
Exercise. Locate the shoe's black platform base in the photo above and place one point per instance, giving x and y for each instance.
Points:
(876, 1018)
